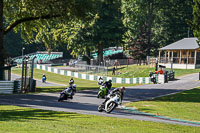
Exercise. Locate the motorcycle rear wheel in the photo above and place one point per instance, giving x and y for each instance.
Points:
(100, 108)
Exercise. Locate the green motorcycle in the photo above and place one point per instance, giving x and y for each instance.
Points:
(103, 91)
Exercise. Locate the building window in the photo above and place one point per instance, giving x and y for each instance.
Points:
(192, 54)
(175, 54)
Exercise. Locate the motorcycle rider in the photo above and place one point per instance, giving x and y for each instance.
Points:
(72, 87)
(68, 92)
(108, 84)
(44, 78)
(71, 81)
(100, 81)
(73, 90)
(119, 91)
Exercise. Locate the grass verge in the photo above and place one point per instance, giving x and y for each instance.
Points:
(51, 89)
(183, 105)
(82, 84)
(19, 119)
(134, 71)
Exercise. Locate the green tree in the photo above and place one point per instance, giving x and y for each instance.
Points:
(196, 18)
(165, 22)
(108, 28)
(35, 17)
(171, 22)
(12, 40)
(104, 30)
(137, 36)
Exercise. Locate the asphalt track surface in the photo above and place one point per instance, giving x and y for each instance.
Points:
(85, 102)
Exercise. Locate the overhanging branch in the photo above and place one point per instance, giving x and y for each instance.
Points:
(10, 27)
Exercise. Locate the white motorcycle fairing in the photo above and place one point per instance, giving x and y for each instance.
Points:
(114, 100)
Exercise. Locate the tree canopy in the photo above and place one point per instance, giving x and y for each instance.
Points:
(196, 18)
(90, 25)
(34, 18)
(104, 29)
(156, 22)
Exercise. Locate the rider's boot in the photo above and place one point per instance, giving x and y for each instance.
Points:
(71, 97)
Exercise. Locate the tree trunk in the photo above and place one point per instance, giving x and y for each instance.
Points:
(88, 55)
(150, 15)
(100, 54)
(2, 50)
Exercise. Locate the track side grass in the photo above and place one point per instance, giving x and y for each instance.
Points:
(183, 105)
(82, 84)
(19, 119)
(134, 71)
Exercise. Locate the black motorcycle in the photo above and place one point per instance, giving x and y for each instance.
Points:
(153, 77)
(67, 93)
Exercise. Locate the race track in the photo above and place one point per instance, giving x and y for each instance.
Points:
(85, 102)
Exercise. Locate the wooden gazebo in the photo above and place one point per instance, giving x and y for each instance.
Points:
(184, 53)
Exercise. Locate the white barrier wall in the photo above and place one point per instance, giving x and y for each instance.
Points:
(140, 80)
(6, 87)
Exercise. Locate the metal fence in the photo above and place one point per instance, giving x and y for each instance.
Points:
(118, 62)
(104, 67)
(58, 61)
(91, 69)
(124, 62)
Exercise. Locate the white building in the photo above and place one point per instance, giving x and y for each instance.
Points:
(185, 54)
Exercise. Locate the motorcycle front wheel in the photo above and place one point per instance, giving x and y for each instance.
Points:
(62, 97)
(111, 107)
(100, 94)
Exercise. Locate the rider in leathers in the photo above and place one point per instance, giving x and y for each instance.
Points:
(108, 85)
(120, 91)
(72, 86)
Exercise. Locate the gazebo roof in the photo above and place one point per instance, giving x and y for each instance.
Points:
(186, 43)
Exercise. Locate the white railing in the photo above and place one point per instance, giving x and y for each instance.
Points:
(177, 60)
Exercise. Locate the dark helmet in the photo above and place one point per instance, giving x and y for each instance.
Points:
(122, 88)
(110, 81)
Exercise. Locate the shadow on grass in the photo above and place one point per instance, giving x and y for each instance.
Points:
(49, 89)
(111, 69)
(34, 114)
(52, 89)
(192, 95)
(145, 110)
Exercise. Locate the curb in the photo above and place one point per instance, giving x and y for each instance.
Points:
(133, 110)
